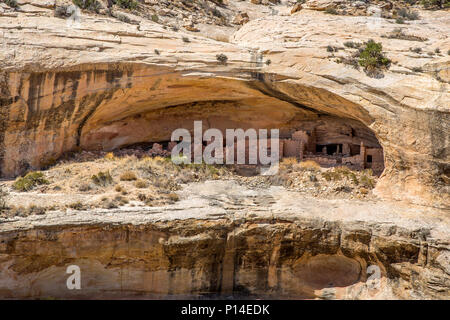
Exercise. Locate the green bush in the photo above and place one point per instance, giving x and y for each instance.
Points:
(126, 4)
(439, 4)
(398, 33)
(11, 3)
(28, 182)
(90, 5)
(222, 58)
(371, 58)
(331, 11)
(330, 48)
(351, 44)
(367, 182)
(102, 178)
(123, 18)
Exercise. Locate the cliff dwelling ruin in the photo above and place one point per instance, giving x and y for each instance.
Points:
(330, 142)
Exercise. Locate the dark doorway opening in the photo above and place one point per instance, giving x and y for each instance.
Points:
(331, 148)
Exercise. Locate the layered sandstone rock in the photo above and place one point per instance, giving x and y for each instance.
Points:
(271, 243)
(104, 83)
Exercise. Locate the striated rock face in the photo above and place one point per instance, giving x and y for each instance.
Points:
(107, 84)
(214, 242)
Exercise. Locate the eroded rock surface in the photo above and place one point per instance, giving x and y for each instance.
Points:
(223, 239)
(107, 83)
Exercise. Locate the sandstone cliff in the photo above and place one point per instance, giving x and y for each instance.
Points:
(103, 83)
(122, 77)
(217, 243)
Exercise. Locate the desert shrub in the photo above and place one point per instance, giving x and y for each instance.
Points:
(363, 190)
(12, 3)
(328, 175)
(338, 173)
(126, 4)
(141, 184)
(331, 11)
(173, 197)
(3, 196)
(128, 176)
(372, 59)
(288, 162)
(123, 18)
(346, 172)
(448, 52)
(90, 5)
(416, 50)
(157, 52)
(352, 44)
(367, 181)
(309, 165)
(76, 206)
(155, 18)
(400, 21)
(110, 156)
(48, 163)
(84, 187)
(142, 197)
(34, 209)
(268, 62)
(398, 33)
(121, 200)
(417, 69)
(109, 204)
(102, 178)
(222, 58)
(330, 48)
(407, 14)
(21, 211)
(436, 4)
(186, 40)
(351, 61)
(353, 178)
(118, 188)
(437, 51)
(30, 180)
(62, 12)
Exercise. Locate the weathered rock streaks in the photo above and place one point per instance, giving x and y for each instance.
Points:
(109, 84)
(228, 240)
(269, 258)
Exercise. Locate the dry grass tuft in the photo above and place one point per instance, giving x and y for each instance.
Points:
(310, 165)
(141, 184)
(128, 176)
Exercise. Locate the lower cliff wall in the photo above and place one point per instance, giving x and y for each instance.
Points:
(307, 258)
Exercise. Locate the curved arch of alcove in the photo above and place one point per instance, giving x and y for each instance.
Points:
(103, 107)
